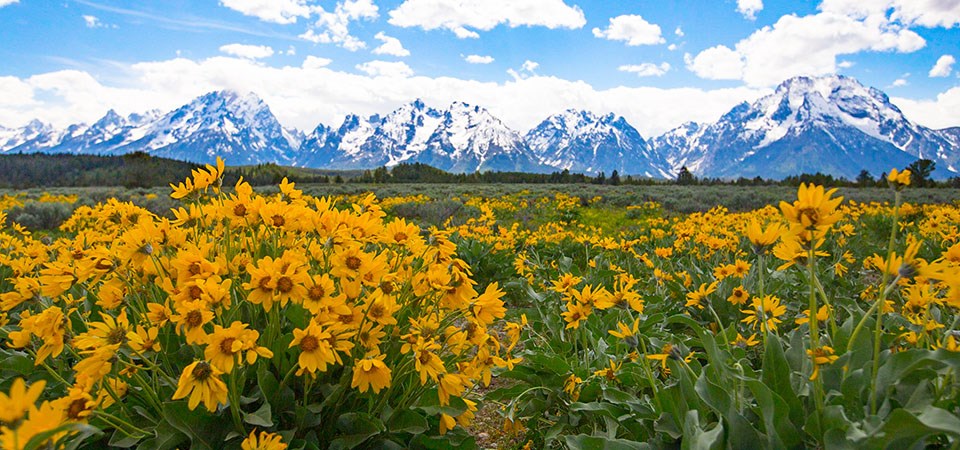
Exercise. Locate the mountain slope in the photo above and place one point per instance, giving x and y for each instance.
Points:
(580, 141)
(830, 124)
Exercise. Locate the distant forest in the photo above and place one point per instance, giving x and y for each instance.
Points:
(140, 170)
(134, 170)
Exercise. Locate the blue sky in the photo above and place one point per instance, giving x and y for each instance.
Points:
(658, 63)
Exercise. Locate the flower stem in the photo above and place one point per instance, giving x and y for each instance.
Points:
(878, 331)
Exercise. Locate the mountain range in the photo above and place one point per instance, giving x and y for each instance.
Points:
(830, 124)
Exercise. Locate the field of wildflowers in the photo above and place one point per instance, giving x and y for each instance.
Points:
(286, 320)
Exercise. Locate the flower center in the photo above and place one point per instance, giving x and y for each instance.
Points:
(284, 284)
(226, 346)
(352, 262)
(202, 371)
(316, 293)
(194, 319)
(308, 344)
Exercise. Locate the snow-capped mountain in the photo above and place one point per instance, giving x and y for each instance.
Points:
(580, 141)
(240, 128)
(34, 136)
(462, 138)
(830, 124)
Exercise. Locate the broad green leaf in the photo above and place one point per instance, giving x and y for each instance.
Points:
(903, 429)
(262, 417)
(696, 438)
(586, 442)
(780, 431)
(354, 429)
(203, 428)
(77, 432)
(407, 421)
(165, 437)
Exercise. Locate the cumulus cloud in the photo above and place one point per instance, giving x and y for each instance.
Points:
(7, 2)
(926, 13)
(716, 63)
(389, 69)
(845, 64)
(808, 45)
(333, 27)
(943, 67)
(314, 93)
(315, 62)
(477, 59)
(941, 112)
(678, 32)
(247, 51)
(462, 17)
(749, 8)
(391, 46)
(899, 82)
(646, 69)
(276, 11)
(633, 29)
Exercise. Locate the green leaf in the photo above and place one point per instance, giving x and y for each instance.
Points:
(261, 417)
(775, 374)
(430, 404)
(204, 429)
(780, 431)
(122, 440)
(587, 442)
(77, 433)
(407, 421)
(696, 438)
(165, 437)
(903, 429)
(355, 429)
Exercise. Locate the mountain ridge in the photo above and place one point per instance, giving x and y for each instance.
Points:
(830, 124)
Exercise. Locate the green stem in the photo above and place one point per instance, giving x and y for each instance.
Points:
(234, 395)
(814, 325)
(761, 274)
(719, 324)
(878, 331)
(649, 373)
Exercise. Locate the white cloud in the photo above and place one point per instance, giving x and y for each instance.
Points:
(7, 2)
(646, 69)
(845, 64)
(247, 51)
(334, 27)
(899, 82)
(391, 46)
(290, 51)
(943, 67)
(631, 28)
(276, 11)
(315, 62)
(389, 69)
(672, 47)
(716, 63)
(749, 8)
(807, 45)
(530, 66)
(92, 21)
(927, 13)
(678, 32)
(942, 112)
(484, 15)
(477, 59)
(314, 93)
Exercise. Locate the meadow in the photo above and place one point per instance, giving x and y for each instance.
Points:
(510, 316)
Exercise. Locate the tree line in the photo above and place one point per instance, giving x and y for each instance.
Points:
(141, 170)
